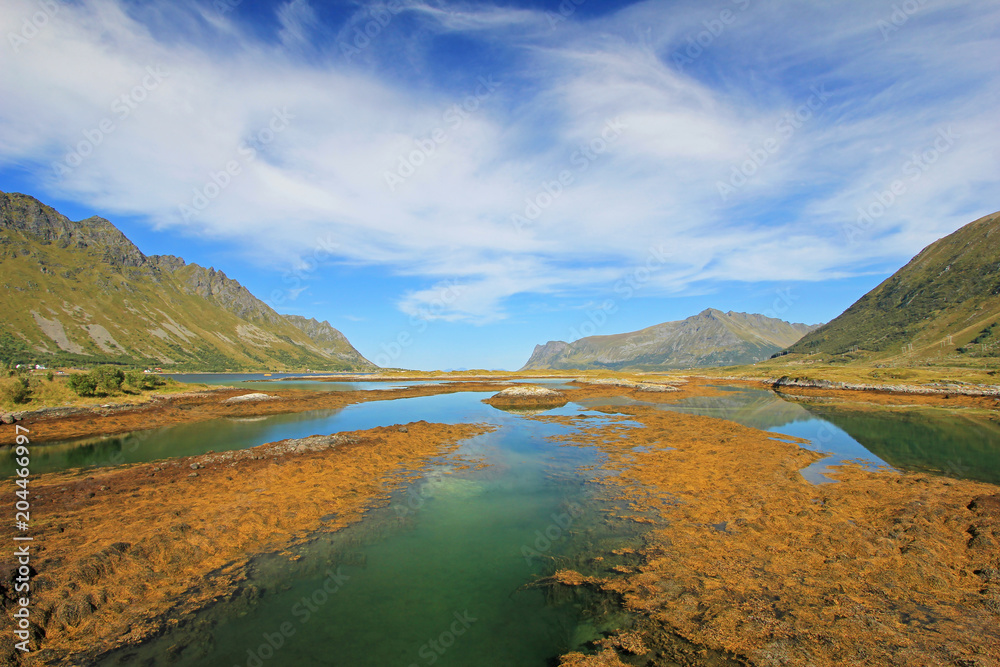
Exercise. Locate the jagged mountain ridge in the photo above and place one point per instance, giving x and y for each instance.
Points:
(943, 305)
(710, 338)
(323, 334)
(82, 292)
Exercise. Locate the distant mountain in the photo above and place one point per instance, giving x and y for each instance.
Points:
(944, 304)
(82, 293)
(710, 338)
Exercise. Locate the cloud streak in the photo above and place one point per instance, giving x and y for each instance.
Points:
(656, 184)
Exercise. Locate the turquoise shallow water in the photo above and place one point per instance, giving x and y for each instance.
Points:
(240, 433)
(933, 441)
(440, 576)
(274, 381)
(924, 440)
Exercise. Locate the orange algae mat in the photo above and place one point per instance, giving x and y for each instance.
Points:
(751, 564)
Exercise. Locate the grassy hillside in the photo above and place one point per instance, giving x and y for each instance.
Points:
(79, 293)
(943, 307)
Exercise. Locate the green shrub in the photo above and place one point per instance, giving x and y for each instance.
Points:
(83, 384)
(108, 380)
(101, 381)
(134, 379)
(15, 389)
(137, 380)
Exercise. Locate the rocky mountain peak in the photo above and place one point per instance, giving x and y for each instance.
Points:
(25, 214)
(165, 311)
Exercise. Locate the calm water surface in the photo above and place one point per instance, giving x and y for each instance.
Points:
(441, 576)
(243, 432)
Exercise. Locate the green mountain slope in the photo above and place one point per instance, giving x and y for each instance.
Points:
(944, 305)
(82, 293)
(710, 338)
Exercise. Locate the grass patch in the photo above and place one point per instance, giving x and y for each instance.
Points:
(46, 390)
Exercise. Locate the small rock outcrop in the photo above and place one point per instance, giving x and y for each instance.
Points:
(527, 397)
(666, 386)
(251, 398)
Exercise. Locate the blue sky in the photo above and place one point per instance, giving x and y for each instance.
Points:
(451, 183)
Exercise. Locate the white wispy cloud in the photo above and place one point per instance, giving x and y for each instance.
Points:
(297, 18)
(183, 115)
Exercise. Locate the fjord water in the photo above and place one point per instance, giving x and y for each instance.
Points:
(926, 440)
(442, 575)
(241, 432)
(765, 410)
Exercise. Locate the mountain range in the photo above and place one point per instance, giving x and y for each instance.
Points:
(943, 306)
(82, 293)
(710, 338)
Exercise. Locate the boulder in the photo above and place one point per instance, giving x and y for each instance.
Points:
(527, 397)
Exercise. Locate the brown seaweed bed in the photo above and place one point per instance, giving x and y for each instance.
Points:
(751, 564)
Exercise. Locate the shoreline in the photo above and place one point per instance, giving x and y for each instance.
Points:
(50, 424)
(62, 423)
(937, 389)
(951, 396)
(750, 562)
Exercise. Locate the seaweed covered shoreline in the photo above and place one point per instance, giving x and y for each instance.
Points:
(750, 563)
(122, 552)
